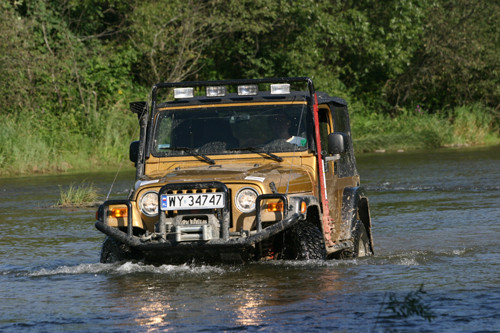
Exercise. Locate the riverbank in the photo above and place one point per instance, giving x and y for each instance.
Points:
(34, 143)
(461, 127)
(42, 143)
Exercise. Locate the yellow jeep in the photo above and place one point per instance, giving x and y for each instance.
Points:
(239, 170)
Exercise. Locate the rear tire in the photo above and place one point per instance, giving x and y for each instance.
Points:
(361, 244)
(361, 241)
(305, 241)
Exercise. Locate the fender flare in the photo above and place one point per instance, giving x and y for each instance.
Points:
(355, 206)
(312, 203)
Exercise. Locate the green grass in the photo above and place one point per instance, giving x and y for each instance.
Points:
(43, 143)
(85, 194)
(473, 125)
(79, 141)
(407, 132)
(463, 126)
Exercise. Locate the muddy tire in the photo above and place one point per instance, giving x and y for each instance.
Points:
(305, 241)
(361, 241)
(112, 251)
(361, 244)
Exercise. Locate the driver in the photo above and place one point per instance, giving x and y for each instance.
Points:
(280, 125)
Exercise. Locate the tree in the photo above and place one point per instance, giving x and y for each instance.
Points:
(457, 61)
(170, 37)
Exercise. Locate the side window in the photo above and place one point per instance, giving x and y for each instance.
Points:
(163, 133)
(325, 127)
(347, 162)
(340, 119)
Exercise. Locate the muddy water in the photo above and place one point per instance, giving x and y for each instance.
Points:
(436, 222)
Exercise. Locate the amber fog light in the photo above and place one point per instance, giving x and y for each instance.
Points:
(118, 212)
(275, 206)
(245, 200)
(303, 207)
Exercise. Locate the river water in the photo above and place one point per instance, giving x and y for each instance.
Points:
(435, 223)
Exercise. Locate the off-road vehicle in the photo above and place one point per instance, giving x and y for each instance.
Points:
(238, 170)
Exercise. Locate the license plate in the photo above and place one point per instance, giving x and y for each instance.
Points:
(192, 201)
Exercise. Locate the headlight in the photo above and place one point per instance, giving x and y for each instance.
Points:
(245, 199)
(149, 203)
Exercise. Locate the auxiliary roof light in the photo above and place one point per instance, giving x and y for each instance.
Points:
(183, 92)
(248, 90)
(280, 88)
(217, 91)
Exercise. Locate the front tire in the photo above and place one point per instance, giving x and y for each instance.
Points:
(305, 241)
(112, 251)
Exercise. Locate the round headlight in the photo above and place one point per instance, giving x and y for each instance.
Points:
(245, 199)
(149, 203)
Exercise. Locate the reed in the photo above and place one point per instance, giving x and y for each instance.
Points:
(463, 126)
(83, 195)
(472, 125)
(412, 305)
(406, 132)
(43, 143)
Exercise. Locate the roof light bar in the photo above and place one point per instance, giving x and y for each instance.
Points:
(280, 88)
(183, 92)
(216, 91)
(248, 90)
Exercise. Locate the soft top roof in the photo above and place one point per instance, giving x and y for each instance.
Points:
(324, 98)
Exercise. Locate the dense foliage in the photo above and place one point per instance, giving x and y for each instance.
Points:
(69, 68)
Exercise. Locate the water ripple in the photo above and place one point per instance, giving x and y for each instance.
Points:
(387, 186)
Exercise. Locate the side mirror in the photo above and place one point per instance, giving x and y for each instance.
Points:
(336, 143)
(134, 151)
(139, 108)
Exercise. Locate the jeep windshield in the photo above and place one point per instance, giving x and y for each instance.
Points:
(231, 130)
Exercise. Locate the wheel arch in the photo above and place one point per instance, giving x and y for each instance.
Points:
(313, 211)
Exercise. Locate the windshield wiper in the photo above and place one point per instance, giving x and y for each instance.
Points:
(192, 152)
(259, 151)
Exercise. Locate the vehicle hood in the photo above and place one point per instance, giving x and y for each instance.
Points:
(283, 176)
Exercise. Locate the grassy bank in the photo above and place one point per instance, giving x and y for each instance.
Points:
(44, 143)
(39, 143)
(463, 126)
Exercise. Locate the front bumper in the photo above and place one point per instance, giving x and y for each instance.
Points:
(187, 242)
(164, 250)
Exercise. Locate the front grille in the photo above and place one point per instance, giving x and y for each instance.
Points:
(187, 191)
(187, 220)
(218, 218)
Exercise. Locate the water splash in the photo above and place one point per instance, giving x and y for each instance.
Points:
(131, 268)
